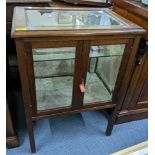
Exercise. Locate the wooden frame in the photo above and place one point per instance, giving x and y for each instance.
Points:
(82, 39)
(19, 21)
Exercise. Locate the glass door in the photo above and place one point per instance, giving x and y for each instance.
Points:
(103, 68)
(53, 73)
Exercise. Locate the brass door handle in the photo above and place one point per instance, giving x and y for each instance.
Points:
(82, 87)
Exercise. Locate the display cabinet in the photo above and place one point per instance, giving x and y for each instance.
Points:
(135, 105)
(72, 60)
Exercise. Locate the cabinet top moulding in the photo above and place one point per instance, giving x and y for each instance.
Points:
(20, 29)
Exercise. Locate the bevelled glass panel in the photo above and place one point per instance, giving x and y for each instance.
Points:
(67, 19)
(104, 63)
(53, 70)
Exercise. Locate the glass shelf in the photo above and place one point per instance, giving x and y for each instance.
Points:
(106, 51)
(53, 54)
(67, 53)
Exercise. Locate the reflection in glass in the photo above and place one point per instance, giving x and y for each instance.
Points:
(53, 69)
(60, 19)
(104, 63)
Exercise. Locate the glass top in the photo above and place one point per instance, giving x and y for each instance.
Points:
(66, 19)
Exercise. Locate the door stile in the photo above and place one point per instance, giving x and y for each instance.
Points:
(76, 95)
(85, 63)
(81, 64)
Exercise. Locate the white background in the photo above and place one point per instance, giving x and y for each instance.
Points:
(151, 77)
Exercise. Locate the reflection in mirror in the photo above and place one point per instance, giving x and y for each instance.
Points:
(54, 70)
(104, 63)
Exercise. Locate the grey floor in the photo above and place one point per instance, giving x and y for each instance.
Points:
(80, 134)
